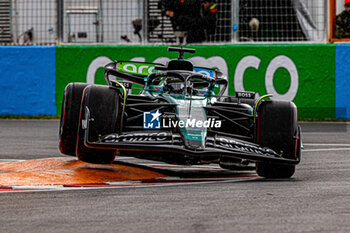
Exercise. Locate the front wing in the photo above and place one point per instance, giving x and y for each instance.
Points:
(168, 142)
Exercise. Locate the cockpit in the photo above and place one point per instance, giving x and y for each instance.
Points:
(183, 83)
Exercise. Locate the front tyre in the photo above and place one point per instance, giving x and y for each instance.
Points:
(104, 104)
(277, 129)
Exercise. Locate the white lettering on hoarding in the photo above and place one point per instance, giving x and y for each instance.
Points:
(242, 66)
(275, 64)
(97, 63)
(285, 63)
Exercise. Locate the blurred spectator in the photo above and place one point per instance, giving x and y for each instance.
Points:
(26, 37)
(194, 20)
(305, 20)
(266, 20)
(343, 22)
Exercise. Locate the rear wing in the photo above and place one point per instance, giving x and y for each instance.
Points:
(130, 71)
(137, 71)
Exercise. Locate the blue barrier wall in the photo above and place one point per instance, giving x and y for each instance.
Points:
(342, 81)
(27, 80)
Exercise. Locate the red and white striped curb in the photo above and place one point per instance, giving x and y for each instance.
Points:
(159, 182)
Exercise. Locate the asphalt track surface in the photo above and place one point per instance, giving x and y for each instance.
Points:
(316, 199)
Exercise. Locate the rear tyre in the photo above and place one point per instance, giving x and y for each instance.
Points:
(277, 129)
(70, 117)
(104, 104)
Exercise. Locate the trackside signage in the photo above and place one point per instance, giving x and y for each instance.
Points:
(302, 73)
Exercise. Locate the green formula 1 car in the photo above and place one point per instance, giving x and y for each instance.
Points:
(179, 116)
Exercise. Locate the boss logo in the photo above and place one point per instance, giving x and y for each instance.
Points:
(245, 95)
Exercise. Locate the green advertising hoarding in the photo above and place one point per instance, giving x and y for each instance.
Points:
(303, 73)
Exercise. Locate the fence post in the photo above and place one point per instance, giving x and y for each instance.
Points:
(60, 16)
(145, 22)
(235, 20)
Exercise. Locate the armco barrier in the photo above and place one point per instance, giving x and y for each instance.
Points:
(315, 77)
(303, 73)
(27, 80)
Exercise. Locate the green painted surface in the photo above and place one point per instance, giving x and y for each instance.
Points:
(315, 68)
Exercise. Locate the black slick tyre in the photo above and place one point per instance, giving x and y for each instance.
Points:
(103, 103)
(277, 129)
(70, 117)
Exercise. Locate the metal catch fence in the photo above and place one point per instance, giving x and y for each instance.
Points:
(146, 21)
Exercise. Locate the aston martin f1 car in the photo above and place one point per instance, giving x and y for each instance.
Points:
(180, 116)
